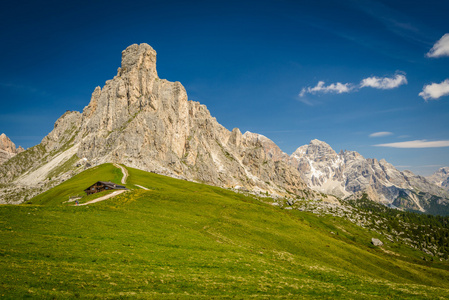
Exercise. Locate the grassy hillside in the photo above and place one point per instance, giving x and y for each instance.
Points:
(76, 185)
(185, 240)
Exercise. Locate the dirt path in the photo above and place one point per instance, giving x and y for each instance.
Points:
(142, 187)
(113, 194)
(124, 172)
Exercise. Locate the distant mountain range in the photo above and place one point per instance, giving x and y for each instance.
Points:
(148, 123)
(349, 174)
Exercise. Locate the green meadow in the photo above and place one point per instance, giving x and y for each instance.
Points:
(183, 240)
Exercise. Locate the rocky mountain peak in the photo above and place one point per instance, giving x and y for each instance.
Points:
(319, 148)
(7, 148)
(300, 151)
(440, 178)
(145, 122)
(136, 88)
(320, 166)
(349, 174)
(315, 148)
(6, 144)
(148, 123)
(271, 149)
(138, 57)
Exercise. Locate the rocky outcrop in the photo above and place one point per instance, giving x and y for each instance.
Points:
(440, 178)
(376, 242)
(145, 122)
(349, 174)
(8, 148)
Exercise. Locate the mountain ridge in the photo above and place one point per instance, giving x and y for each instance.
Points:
(149, 123)
(349, 174)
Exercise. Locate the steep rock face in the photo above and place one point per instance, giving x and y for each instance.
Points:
(349, 174)
(8, 148)
(63, 133)
(440, 178)
(148, 123)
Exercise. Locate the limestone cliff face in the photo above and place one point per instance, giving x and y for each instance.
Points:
(349, 174)
(63, 133)
(146, 122)
(8, 148)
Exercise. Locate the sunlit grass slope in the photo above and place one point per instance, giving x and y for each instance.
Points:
(76, 185)
(185, 240)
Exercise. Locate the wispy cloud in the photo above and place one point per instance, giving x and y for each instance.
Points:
(337, 88)
(417, 144)
(340, 88)
(441, 47)
(384, 83)
(381, 134)
(435, 90)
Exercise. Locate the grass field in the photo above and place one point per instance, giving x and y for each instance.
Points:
(186, 240)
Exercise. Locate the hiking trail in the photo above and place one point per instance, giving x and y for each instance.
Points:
(142, 187)
(113, 194)
(124, 172)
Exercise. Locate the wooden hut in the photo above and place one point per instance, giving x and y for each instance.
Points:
(100, 186)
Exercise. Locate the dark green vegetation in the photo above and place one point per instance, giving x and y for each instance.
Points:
(424, 231)
(185, 240)
(432, 204)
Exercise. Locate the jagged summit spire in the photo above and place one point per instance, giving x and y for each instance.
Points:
(6, 144)
(141, 57)
(7, 148)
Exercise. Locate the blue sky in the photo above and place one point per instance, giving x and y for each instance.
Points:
(349, 73)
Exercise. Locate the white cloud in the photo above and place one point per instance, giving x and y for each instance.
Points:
(417, 144)
(441, 48)
(384, 83)
(338, 88)
(380, 134)
(435, 90)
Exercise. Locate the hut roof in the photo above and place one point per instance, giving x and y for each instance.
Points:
(108, 184)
